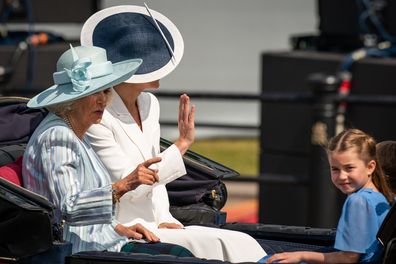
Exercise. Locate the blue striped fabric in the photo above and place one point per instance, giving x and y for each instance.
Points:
(58, 165)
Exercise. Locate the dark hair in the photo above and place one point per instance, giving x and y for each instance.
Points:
(386, 154)
(365, 146)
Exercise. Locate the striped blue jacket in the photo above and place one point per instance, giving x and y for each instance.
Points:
(65, 169)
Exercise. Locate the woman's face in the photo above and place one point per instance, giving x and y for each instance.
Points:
(148, 85)
(349, 173)
(89, 110)
(138, 86)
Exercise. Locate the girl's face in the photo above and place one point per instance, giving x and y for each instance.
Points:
(349, 173)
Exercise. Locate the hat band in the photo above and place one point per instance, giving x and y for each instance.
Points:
(94, 71)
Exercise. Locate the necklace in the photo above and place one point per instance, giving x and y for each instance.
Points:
(68, 123)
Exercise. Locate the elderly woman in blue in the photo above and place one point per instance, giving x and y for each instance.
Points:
(355, 172)
(60, 164)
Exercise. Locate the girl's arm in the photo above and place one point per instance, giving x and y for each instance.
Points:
(315, 257)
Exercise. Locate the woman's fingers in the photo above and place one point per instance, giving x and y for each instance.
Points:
(150, 236)
(180, 108)
(185, 124)
(146, 176)
(149, 162)
(133, 234)
(146, 170)
(128, 232)
(191, 116)
(184, 108)
(186, 118)
(136, 231)
(142, 175)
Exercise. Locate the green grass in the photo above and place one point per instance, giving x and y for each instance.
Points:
(241, 155)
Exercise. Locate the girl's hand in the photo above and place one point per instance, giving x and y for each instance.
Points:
(286, 257)
(185, 124)
(315, 257)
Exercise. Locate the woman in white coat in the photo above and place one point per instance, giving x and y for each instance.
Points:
(129, 132)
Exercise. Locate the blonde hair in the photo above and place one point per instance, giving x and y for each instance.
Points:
(62, 109)
(365, 146)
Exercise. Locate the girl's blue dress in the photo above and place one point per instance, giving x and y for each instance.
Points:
(362, 215)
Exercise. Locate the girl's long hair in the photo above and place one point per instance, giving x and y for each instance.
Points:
(365, 146)
(386, 153)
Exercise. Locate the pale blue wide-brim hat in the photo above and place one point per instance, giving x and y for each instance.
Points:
(82, 71)
(130, 31)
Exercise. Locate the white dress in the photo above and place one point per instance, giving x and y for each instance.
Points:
(121, 145)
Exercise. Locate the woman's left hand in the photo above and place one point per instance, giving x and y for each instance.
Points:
(170, 225)
(185, 124)
(136, 231)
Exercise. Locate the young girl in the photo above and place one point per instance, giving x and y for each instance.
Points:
(354, 170)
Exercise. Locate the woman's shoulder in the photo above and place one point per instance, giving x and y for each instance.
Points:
(52, 129)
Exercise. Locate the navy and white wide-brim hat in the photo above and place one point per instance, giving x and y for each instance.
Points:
(82, 71)
(130, 31)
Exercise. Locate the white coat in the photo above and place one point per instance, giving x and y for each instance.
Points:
(122, 146)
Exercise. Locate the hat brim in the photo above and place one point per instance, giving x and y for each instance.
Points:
(88, 28)
(63, 93)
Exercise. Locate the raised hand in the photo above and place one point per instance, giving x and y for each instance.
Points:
(185, 124)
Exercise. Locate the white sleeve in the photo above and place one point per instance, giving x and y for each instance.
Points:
(171, 166)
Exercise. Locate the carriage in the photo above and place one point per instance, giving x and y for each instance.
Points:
(28, 234)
